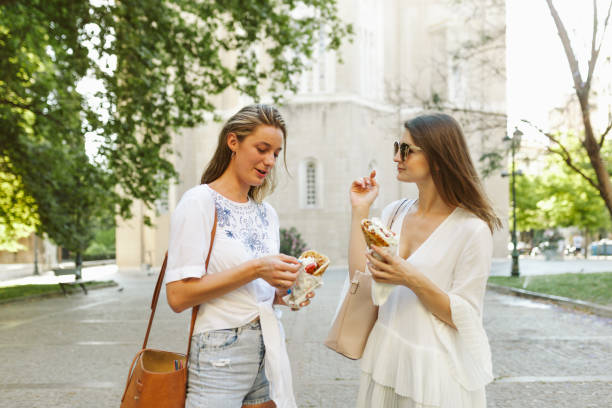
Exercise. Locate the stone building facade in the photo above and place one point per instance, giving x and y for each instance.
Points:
(345, 117)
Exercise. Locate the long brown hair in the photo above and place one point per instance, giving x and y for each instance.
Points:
(443, 143)
(242, 124)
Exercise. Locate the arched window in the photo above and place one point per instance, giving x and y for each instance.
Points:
(310, 184)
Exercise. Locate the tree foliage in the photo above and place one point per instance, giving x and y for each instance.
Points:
(557, 196)
(158, 67)
(17, 206)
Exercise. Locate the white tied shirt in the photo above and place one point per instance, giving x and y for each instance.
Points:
(245, 231)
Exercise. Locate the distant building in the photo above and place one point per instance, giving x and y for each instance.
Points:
(345, 117)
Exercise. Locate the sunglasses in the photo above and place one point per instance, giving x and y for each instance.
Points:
(405, 149)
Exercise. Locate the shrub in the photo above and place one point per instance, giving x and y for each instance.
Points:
(291, 242)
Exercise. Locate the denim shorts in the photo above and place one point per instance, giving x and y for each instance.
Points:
(226, 368)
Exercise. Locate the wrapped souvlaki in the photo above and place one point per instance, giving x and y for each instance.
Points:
(375, 233)
(310, 276)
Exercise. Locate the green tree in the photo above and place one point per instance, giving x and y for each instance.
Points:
(559, 197)
(567, 198)
(591, 142)
(583, 64)
(159, 65)
(74, 197)
(18, 207)
(529, 192)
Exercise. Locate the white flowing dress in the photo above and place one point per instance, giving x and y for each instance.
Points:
(414, 360)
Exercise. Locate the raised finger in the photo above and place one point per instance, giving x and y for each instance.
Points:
(310, 295)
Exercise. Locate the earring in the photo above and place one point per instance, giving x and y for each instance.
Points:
(233, 153)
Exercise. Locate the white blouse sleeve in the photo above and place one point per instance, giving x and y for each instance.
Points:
(468, 346)
(190, 229)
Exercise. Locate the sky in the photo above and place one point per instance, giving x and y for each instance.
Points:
(538, 72)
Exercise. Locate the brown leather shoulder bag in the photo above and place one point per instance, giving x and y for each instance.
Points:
(158, 378)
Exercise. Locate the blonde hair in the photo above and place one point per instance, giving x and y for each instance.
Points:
(242, 124)
(443, 143)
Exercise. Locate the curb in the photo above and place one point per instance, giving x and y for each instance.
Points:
(594, 308)
(54, 294)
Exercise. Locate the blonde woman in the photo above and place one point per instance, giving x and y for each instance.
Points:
(428, 347)
(238, 356)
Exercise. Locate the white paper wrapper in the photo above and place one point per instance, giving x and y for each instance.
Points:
(304, 284)
(381, 291)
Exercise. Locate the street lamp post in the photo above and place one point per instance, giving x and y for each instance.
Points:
(514, 144)
(36, 255)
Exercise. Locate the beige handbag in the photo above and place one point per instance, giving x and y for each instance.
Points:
(357, 315)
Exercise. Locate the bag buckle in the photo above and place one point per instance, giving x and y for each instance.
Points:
(354, 286)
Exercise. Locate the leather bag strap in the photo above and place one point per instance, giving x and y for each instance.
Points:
(194, 311)
(397, 210)
(160, 280)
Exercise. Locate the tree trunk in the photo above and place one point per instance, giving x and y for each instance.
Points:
(594, 152)
(583, 89)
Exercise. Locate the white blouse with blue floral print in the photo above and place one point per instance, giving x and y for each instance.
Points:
(245, 231)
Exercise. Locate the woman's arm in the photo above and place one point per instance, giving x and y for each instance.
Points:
(357, 244)
(363, 192)
(278, 270)
(398, 271)
(432, 297)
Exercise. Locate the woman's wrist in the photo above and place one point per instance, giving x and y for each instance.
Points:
(411, 280)
(254, 268)
(360, 212)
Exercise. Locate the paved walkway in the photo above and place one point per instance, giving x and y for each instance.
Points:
(538, 266)
(501, 266)
(75, 351)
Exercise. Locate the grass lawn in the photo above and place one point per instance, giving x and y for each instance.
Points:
(591, 287)
(23, 291)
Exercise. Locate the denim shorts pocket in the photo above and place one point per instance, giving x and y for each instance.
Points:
(219, 339)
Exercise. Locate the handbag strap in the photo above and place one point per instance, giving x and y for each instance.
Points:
(397, 210)
(158, 285)
(194, 311)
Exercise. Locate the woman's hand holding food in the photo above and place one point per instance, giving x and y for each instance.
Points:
(280, 293)
(364, 191)
(392, 269)
(279, 271)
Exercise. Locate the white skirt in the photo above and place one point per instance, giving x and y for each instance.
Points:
(398, 374)
(374, 395)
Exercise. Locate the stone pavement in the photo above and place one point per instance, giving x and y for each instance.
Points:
(538, 266)
(75, 351)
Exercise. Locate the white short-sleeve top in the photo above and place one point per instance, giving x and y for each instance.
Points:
(245, 231)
